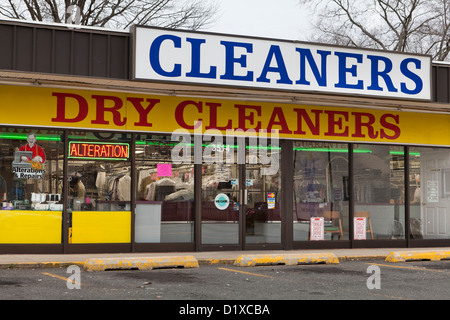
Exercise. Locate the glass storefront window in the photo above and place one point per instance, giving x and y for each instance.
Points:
(31, 181)
(99, 174)
(429, 190)
(320, 190)
(165, 190)
(379, 190)
(100, 183)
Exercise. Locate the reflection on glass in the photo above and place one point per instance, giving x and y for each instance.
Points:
(165, 192)
(320, 190)
(429, 189)
(379, 190)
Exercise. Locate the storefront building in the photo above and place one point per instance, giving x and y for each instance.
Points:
(166, 140)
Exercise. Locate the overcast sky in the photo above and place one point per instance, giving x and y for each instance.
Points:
(279, 19)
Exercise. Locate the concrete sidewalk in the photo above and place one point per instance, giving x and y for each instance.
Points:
(237, 258)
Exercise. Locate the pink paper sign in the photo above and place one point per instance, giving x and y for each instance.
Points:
(164, 169)
(359, 228)
(317, 226)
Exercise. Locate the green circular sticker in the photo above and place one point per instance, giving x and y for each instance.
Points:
(222, 201)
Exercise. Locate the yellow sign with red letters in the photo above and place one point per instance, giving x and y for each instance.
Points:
(133, 112)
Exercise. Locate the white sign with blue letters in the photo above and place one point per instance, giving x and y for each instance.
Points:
(224, 60)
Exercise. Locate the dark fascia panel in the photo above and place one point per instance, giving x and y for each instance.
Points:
(63, 50)
(93, 52)
(440, 83)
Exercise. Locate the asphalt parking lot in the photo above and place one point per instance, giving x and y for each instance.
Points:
(348, 280)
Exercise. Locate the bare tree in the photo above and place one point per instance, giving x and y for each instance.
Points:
(416, 26)
(118, 14)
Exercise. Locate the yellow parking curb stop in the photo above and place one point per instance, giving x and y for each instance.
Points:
(285, 259)
(403, 256)
(141, 263)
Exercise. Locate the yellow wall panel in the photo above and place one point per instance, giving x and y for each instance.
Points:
(30, 227)
(101, 227)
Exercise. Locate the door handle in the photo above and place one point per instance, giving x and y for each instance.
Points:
(244, 196)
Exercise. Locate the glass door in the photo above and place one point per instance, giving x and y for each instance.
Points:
(220, 205)
(241, 195)
(263, 200)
